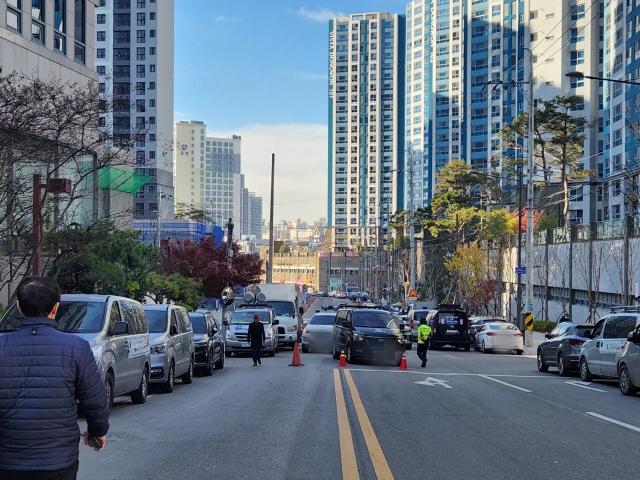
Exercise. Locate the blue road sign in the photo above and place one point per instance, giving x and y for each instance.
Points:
(521, 270)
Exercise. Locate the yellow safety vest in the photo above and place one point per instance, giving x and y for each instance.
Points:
(423, 331)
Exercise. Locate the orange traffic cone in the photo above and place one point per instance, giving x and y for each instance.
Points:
(343, 360)
(403, 363)
(296, 357)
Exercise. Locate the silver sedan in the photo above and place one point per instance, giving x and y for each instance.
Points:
(317, 334)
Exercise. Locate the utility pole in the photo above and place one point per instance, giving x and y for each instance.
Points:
(159, 210)
(270, 266)
(412, 249)
(519, 318)
(528, 336)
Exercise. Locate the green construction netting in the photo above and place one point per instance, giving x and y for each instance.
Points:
(112, 178)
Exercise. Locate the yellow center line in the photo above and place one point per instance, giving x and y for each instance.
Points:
(380, 465)
(347, 452)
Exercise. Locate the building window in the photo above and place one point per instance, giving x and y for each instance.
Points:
(37, 20)
(101, 36)
(14, 15)
(152, 120)
(152, 34)
(80, 31)
(577, 57)
(101, 52)
(121, 36)
(102, 70)
(152, 103)
(141, 36)
(140, 88)
(140, 53)
(141, 19)
(152, 68)
(102, 19)
(152, 50)
(152, 85)
(140, 71)
(577, 12)
(152, 16)
(60, 26)
(141, 4)
(101, 87)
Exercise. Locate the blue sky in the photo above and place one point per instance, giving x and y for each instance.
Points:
(259, 69)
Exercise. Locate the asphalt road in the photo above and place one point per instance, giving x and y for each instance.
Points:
(487, 416)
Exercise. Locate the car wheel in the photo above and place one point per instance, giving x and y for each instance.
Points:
(276, 348)
(139, 396)
(350, 355)
(624, 382)
(167, 387)
(467, 348)
(208, 370)
(563, 371)
(108, 383)
(540, 362)
(228, 354)
(585, 374)
(187, 378)
(519, 352)
(398, 359)
(475, 347)
(409, 346)
(272, 353)
(305, 349)
(220, 363)
(336, 355)
(483, 348)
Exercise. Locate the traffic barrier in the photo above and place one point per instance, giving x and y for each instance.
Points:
(343, 360)
(403, 363)
(296, 357)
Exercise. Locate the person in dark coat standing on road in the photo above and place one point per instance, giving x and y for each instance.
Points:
(256, 338)
(44, 373)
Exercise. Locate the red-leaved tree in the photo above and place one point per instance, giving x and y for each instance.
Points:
(207, 262)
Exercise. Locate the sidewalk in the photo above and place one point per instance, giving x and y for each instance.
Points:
(537, 338)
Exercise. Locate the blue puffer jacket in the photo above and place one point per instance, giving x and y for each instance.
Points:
(42, 373)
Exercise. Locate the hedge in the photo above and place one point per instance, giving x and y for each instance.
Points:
(543, 326)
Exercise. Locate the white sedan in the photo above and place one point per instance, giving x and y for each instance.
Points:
(499, 336)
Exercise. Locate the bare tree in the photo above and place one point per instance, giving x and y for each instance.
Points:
(559, 269)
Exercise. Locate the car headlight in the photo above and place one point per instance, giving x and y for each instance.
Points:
(268, 336)
(291, 329)
(97, 354)
(358, 337)
(229, 335)
(201, 344)
(304, 330)
(155, 349)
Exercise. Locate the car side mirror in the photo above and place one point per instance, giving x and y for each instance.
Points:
(120, 328)
(301, 310)
(547, 335)
(214, 330)
(173, 330)
(305, 323)
(632, 337)
(225, 323)
(276, 322)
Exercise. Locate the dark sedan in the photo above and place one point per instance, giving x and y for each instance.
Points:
(561, 348)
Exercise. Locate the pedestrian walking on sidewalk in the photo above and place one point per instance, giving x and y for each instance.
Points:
(256, 338)
(424, 332)
(44, 375)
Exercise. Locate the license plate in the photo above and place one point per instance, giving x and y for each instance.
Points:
(244, 345)
(452, 332)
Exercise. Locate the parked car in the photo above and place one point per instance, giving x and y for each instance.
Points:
(237, 332)
(561, 348)
(598, 353)
(499, 336)
(172, 348)
(117, 330)
(449, 326)
(317, 333)
(407, 333)
(366, 333)
(629, 364)
(208, 342)
(414, 317)
(477, 322)
(341, 295)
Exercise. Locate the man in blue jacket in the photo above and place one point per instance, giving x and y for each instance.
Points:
(43, 374)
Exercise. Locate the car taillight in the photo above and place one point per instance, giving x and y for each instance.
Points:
(490, 334)
(575, 341)
(411, 324)
(517, 334)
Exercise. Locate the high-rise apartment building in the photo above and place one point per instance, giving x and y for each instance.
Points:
(207, 172)
(255, 215)
(466, 68)
(366, 138)
(134, 58)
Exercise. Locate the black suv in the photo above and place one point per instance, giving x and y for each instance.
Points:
(209, 342)
(449, 326)
(365, 332)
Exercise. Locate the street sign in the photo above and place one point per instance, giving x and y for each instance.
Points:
(521, 270)
(528, 322)
(413, 295)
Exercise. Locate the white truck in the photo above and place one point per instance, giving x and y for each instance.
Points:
(285, 299)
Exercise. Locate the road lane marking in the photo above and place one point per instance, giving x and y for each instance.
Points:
(416, 372)
(582, 385)
(432, 382)
(347, 452)
(615, 422)
(380, 465)
(505, 383)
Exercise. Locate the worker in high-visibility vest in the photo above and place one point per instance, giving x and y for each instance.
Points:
(424, 331)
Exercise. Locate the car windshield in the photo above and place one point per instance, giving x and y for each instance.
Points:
(373, 319)
(243, 317)
(502, 326)
(581, 331)
(450, 318)
(199, 323)
(72, 317)
(284, 309)
(157, 320)
(322, 320)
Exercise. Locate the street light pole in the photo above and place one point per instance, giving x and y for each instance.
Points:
(412, 247)
(529, 310)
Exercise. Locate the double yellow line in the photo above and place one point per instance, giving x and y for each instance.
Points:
(347, 451)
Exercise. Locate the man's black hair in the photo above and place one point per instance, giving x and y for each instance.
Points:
(37, 296)
(423, 321)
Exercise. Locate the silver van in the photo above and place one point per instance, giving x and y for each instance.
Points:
(629, 364)
(116, 328)
(172, 349)
(598, 353)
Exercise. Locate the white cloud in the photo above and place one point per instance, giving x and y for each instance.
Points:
(300, 170)
(221, 18)
(320, 15)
